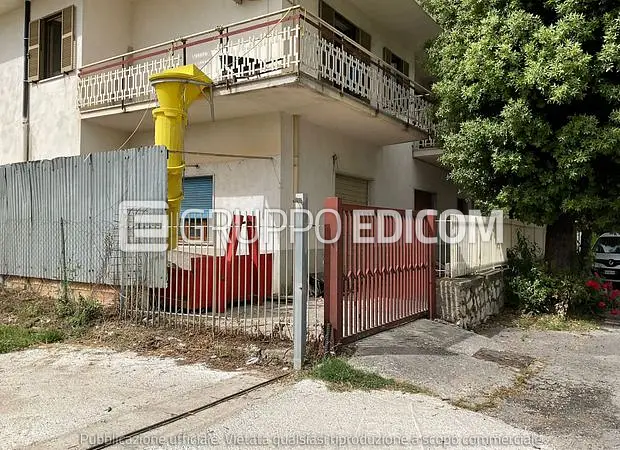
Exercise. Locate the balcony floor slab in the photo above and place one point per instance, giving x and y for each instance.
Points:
(317, 103)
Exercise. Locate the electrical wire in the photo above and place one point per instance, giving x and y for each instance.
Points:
(135, 130)
(203, 66)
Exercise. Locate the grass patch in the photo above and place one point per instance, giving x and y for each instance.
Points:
(340, 375)
(17, 338)
(28, 318)
(551, 322)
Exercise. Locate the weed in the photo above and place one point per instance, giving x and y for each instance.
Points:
(340, 375)
(500, 394)
(554, 322)
(79, 313)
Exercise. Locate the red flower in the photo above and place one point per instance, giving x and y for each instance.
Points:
(608, 285)
(614, 294)
(615, 312)
(601, 305)
(593, 284)
(597, 275)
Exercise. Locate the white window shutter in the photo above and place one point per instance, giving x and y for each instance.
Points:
(34, 51)
(67, 53)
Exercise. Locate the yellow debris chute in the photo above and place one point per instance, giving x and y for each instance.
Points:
(176, 90)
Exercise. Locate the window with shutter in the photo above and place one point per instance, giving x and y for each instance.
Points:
(353, 32)
(51, 45)
(352, 190)
(197, 205)
(395, 61)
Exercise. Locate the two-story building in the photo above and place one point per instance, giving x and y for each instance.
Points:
(326, 97)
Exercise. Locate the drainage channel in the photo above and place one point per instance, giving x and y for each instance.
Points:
(126, 437)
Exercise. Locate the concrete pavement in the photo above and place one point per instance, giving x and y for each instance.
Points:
(563, 385)
(52, 395)
(309, 414)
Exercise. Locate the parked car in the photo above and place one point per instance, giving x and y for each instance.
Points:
(607, 256)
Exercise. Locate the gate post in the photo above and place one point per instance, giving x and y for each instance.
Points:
(432, 301)
(300, 281)
(333, 267)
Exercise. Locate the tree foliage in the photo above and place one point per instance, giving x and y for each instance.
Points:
(528, 105)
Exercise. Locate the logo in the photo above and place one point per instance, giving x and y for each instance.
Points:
(143, 226)
(611, 263)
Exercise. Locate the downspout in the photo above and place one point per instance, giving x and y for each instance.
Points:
(26, 88)
(295, 154)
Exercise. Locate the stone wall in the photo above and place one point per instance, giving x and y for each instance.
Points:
(470, 301)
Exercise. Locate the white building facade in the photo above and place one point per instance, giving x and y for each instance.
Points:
(321, 97)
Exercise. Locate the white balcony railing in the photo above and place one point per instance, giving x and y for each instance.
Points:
(288, 42)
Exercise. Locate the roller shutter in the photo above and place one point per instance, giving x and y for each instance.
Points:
(352, 190)
(198, 194)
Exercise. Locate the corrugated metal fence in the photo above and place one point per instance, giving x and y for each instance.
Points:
(59, 218)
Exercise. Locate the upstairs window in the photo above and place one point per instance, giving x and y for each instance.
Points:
(51, 45)
(395, 61)
(345, 26)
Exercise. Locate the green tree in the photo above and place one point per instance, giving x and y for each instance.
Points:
(528, 110)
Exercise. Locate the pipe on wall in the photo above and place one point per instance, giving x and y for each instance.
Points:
(295, 154)
(26, 88)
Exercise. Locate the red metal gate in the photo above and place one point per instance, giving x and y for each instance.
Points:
(373, 285)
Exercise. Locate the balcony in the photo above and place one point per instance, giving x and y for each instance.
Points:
(275, 52)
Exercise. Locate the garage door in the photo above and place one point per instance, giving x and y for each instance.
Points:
(352, 190)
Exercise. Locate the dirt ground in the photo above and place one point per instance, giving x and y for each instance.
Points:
(186, 343)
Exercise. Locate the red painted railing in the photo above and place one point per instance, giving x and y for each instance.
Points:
(374, 285)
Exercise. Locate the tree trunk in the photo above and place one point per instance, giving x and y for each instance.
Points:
(561, 244)
(585, 249)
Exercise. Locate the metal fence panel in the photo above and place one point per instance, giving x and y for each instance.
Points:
(484, 246)
(60, 217)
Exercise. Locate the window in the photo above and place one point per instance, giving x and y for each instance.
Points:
(346, 69)
(51, 45)
(198, 205)
(608, 244)
(424, 200)
(51, 30)
(395, 61)
(346, 27)
(352, 190)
